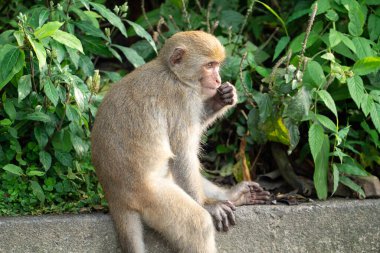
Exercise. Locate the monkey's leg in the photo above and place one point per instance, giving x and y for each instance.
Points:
(129, 226)
(179, 218)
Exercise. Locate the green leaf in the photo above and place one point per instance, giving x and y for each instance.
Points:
(116, 54)
(132, 56)
(351, 169)
(356, 89)
(338, 153)
(282, 43)
(326, 122)
(47, 30)
(79, 98)
(332, 15)
(11, 61)
(352, 185)
(38, 16)
(334, 37)
(316, 136)
(335, 178)
(61, 141)
(37, 173)
(72, 114)
(316, 73)
(348, 42)
(41, 137)
(40, 53)
(24, 87)
(50, 90)
(64, 158)
(231, 19)
(276, 15)
(143, 34)
(5, 122)
(95, 45)
(74, 56)
(265, 105)
(110, 16)
(375, 116)
(321, 161)
(356, 16)
(13, 169)
(89, 29)
(374, 27)
(45, 159)
(38, 116)
(366, 65)
(10, 109)
(328, 100)
(79, 145)
(37, 190)
(298, 106)
(68, 40)
(363, 47)
(367, 104)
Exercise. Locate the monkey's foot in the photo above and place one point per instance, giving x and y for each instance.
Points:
(248, 193)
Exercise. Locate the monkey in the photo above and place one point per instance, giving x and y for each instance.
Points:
(145, 148)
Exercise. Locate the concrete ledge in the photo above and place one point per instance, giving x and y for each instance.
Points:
(332, 226)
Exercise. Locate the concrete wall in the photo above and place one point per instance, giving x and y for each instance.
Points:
(332, 226)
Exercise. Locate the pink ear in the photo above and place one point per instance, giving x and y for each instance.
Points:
(177, 55)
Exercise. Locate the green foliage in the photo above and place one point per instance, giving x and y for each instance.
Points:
(323, 94)
(49, 94)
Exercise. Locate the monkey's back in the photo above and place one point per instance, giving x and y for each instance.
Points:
(135, 122)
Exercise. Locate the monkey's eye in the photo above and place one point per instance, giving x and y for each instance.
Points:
(211, 64)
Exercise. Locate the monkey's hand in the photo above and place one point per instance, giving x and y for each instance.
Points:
(225, 96)
(248, 193)
(222, 214)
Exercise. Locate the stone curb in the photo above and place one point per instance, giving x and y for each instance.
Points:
(331, 226)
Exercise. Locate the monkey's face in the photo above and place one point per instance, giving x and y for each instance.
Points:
(210, 79)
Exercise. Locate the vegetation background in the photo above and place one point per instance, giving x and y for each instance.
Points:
(307, 73)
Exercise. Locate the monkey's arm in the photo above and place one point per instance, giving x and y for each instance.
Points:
(217, 105)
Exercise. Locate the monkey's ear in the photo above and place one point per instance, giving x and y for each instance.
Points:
(177, 55)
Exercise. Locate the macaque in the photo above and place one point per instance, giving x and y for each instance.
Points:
(145, 145)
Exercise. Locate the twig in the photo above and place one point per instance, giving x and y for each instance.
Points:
(174, 23)
(186, 15)
(145, 16)
(199, 5)
(249, 12)
(308, 30)
(214, 26)
(208, 16)
(274, 71)
(161, 22)
(241, 156)
(253, 164)
(32, 70)
(262, 46)
(246, 92)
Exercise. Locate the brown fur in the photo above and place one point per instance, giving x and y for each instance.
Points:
(145, 144)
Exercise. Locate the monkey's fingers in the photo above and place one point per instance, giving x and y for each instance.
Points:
(254, 186)
(264, 195)
(223, 89)
(227, 95)
(217, 217)
(230, 213)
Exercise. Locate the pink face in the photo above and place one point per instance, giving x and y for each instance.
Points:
(210, 78)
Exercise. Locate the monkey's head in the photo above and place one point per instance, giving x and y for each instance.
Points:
(195, 57)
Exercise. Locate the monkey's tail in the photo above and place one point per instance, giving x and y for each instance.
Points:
(130, 229)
